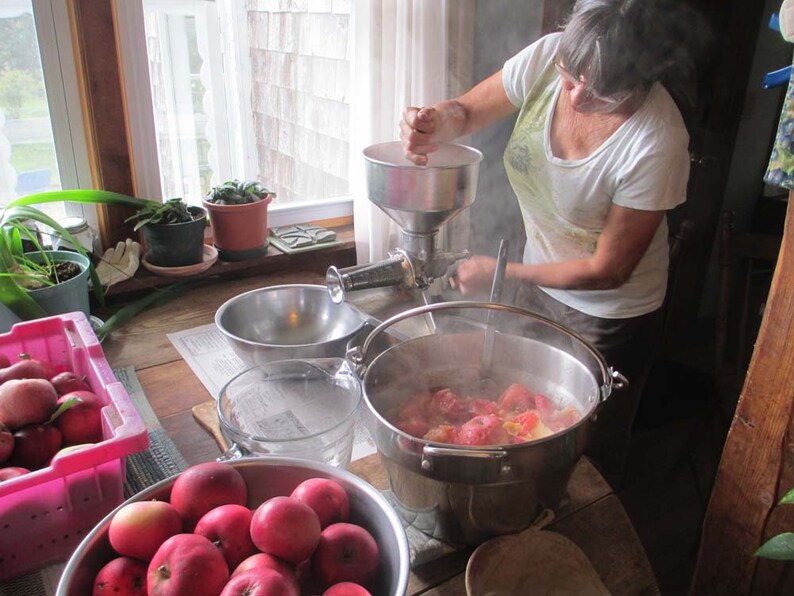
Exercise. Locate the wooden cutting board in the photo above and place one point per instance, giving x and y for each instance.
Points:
(206, 415)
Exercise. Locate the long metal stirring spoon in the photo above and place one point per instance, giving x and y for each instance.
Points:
(486, 361)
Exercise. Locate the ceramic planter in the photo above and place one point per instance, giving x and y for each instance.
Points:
(240, 231)
(65, 297)
(179, 244)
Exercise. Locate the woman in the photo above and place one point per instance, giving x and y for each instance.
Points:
(598, 154)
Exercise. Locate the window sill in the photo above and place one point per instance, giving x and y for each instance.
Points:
(274, 261)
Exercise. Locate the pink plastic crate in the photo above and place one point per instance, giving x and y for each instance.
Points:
(45, 514)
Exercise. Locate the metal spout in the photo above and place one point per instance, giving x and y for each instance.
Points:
(395, 271)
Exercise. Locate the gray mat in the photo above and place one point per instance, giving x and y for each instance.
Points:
(160, 461)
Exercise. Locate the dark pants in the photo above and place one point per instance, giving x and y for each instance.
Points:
(629, 347)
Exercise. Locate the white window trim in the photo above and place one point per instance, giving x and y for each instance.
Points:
(137, 92)
(63, 97)
(137, 89)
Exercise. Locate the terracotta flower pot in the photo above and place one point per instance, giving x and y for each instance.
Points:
(239, 231)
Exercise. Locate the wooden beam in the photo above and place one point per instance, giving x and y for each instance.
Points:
(103, 110)
(757, 465)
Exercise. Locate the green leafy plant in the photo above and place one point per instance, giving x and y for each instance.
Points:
(780, 547)
(169, 212)
(238, 192)
(18, 273)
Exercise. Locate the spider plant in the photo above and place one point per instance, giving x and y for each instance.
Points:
(16, 270)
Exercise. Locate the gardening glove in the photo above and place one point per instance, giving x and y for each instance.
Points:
(119, 263)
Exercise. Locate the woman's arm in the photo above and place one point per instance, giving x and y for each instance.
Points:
(623, 242)
(421, 129)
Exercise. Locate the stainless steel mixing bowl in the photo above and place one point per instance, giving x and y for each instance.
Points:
(286, 322)
(265, 478)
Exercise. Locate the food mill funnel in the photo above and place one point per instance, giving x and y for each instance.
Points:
(420, 199)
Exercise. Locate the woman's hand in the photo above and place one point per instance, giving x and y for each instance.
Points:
(417, 129)
(476, 274)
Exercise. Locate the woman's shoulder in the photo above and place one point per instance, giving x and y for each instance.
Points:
(660, 118)
(541, 51)
(522, 71)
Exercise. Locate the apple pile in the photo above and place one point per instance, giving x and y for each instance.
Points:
(43, 412)
(204, 541)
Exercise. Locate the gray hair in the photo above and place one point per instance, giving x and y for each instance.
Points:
(627, 45)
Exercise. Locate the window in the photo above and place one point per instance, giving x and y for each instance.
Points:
(243, 89)
(42, 143)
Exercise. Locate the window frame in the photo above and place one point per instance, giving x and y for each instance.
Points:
(131, 32)
(61, 81)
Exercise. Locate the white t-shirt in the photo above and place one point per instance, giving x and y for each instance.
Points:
(564, 203)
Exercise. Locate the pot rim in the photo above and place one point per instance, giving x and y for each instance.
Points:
(191, 209)
(267, 199)
(357, 355)
(475, 154)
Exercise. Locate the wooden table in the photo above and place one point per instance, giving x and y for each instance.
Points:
(591, 515)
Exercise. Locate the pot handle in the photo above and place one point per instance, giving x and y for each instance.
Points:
(430, 452)
(357, 355)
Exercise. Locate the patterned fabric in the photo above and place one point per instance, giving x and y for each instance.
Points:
(781, 163)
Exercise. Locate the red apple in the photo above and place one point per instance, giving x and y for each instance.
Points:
(67, 381)
(35, 445)
(285, 528)
(139, 528)
(26, 401)
(10, 472)
(346, 553)
(63, 451)
(228, 527)
(82, 423)
(6, 443)
(346, 589)
(122, 576)
(187, 564)
(327, 497)
(264, 560)
(259, 582)
(204, 487)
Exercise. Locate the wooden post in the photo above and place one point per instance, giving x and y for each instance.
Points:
(103, 110)
(757, 465)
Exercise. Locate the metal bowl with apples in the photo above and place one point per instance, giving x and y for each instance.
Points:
(265, 478)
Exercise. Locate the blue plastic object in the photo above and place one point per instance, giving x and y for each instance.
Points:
(776, 78)
(774, 22)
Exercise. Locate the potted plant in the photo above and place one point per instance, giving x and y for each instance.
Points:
(17, 268)
(238, 217)
(173, 231)
(40, 282)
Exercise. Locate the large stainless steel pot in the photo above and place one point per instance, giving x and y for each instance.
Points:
(465, 495)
